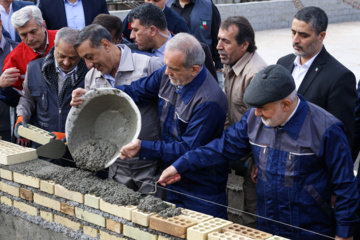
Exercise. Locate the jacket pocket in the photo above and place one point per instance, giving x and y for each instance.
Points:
(41, 97)
(262, 152)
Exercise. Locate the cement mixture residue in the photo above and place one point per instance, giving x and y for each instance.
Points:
(152, 204)
(170, 212)
(94, 154)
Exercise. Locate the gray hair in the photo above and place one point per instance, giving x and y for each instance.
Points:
(292, 96)
(314, 16)
(95, 33)
(66, 34)
(190, 46)
(21, 17)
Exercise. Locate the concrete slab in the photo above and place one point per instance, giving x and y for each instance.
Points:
(341, 41)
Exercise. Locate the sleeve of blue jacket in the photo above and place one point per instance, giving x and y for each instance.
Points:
(339, 165)
(231, 146)
(9, 96)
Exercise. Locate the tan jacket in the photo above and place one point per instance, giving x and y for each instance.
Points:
(236, 80)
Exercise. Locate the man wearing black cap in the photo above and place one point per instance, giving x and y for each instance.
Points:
(302, 156)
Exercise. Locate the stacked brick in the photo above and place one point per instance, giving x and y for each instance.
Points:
(96, 218)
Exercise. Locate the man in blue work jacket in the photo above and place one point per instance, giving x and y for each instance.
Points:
(302, 155)
(192, 112)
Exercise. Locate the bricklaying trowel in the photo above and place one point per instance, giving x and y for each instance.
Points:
(51, 148)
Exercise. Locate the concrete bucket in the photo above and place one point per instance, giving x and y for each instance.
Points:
(96, 130)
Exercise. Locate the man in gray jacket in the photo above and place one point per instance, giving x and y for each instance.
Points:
(110, 66)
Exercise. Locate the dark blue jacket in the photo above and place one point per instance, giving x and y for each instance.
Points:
(49, 115)
(16, 5)
(175, 23)
(53, 12)
(300, 166)
(189, 118)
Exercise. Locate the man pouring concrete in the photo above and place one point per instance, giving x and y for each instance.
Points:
(302, 155)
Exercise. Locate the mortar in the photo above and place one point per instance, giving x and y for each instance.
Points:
(108, 117)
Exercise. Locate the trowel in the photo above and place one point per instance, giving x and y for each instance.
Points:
(51, 148)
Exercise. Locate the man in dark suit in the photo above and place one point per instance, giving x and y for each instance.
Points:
(8, 8)
(318, 76)
(71, 13)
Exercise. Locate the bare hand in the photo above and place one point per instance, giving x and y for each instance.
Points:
(169, 176)
(131, 149)
(9, 77)
(77, 98)
(340, 238)
(254, 173)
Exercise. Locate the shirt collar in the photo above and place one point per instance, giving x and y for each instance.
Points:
(58, 69)
(46, 45)
(241, 63)
(307, 64)
(188, 91)
(294, 124)
(161, 50)
(73, 4)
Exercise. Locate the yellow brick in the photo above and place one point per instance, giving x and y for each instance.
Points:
(195, 216)
(27, 180)
(141, 218)
(26, 208)
(201, 230)
(6, 201)
(113, 226)
(246, 231)
(92, 201)
(26, 194)
(136, 233)
(90, 217)
(92, 232)
(67, 209)
(15, 191)
(163, 238)
(46, 202)
(120, 211)
(6, 174)
(48, 216)
(107, 236)
(68, 194)
(47, 186)
(175, 226)
(35, 134)
(277, 238)
(11, 153)
(67, 222)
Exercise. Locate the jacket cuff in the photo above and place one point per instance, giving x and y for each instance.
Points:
(147, 151)
(344, 231)
(181, 165)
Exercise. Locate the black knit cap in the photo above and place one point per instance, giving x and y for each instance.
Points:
(271, 84)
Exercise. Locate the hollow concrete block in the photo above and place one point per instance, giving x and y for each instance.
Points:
(46, 202)
(246, 231)
(227, 236)
(48, 216)
(67, 222)
(6, 174)
(195, 216)
(90, 217)
(11, 153)
(26, 180)
(201, 230)
(26, 208)
(47, 186)
(277, 238)
(35, 134)
(68, 194)
(175, 226)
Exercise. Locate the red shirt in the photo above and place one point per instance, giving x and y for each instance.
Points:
(22, 55)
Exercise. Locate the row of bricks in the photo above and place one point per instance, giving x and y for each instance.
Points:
(186, 225)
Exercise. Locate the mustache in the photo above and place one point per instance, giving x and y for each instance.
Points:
(222, 52)
(297, 45)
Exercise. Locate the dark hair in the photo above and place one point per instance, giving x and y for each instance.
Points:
(95, 33)
(149, 14)
(314, 16)
(245, 32)
(110, 22)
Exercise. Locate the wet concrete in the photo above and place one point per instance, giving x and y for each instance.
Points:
(170, 212)
(94, 154)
